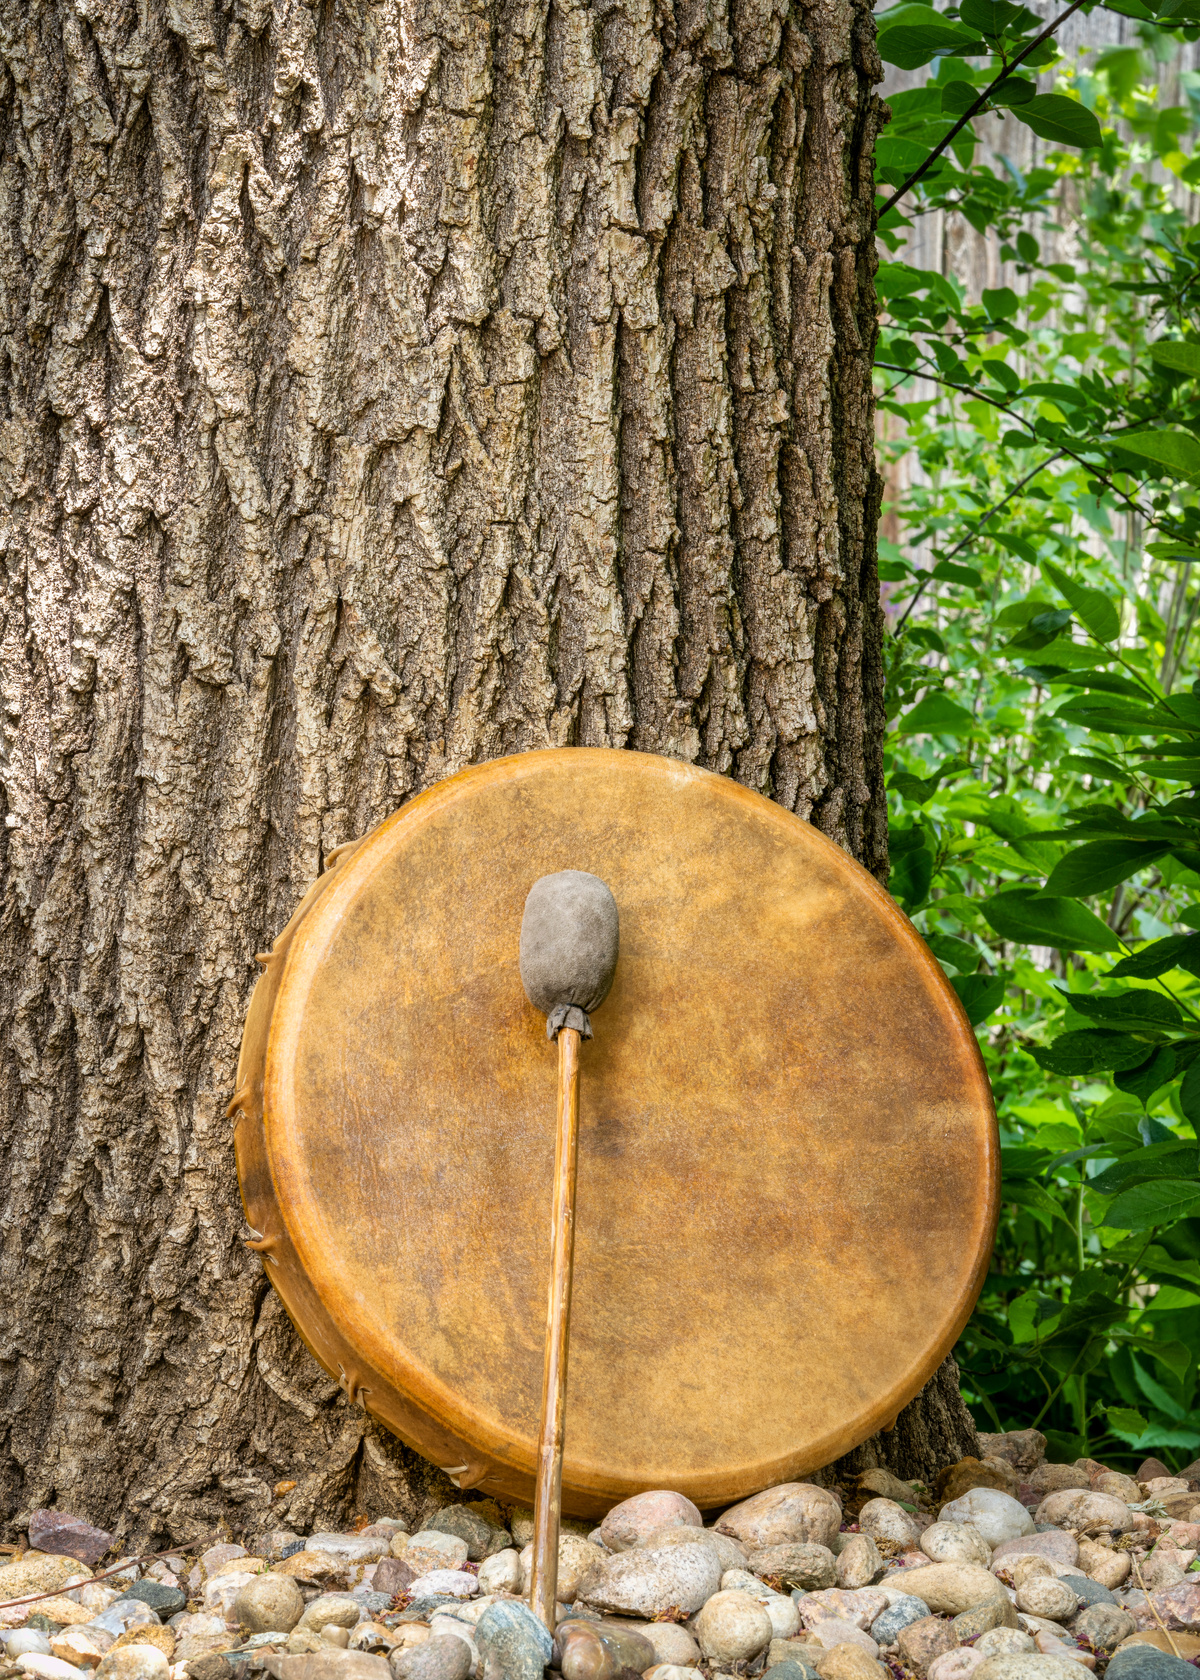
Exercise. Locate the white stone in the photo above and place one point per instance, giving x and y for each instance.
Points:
(732, 1627)
(645, 1583)
(354, 1547)
(48, 1668)
(502, 1572)
(456, 1582)
(997, 1516)
(431, 1549)
(134, 1662)
(633, 1519)
(955, 1542)
(954, 1665)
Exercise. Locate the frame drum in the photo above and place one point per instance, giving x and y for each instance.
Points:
(788, 1162)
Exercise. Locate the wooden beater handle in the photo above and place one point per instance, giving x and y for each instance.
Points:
(547, 1510)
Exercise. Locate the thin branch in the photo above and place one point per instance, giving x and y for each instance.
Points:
(975, 109)
(974, 536)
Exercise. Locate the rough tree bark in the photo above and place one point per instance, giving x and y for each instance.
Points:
(387, 384)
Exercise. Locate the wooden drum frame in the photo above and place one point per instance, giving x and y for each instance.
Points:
(788, 1163)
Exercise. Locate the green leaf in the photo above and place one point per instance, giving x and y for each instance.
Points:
(1126, 1423)
(1172, 1160)
(1014, 90)
(1094, 607)
(1023, 915)
(1150, 1205)
(1124, 1009)
(1099, 864)
(936, 714)
(1185, 552)
(1142, 1082)
(950, 571)
(1178, 950)
(989, 17)
(1183, 358)
(1000, 302)
(979, 994)
(1054, 117)
(1038, 1200)
(1077, 1054)
(1177, 452)
(908, 46)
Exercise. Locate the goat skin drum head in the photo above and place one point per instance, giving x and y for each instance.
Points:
(788, 1183)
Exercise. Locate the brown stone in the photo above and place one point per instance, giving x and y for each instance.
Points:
(67, 1536)
(211, 1667)
(881, 1484)
(849, 1662)
(968, 1473)
(920, 1642)
(1180, 1505)
(1024, 1449)
(996, 1612)
(809, 1567)
(792, 1650)
(1054, 1478)
(146, 1633)
(1012, 1481)
(1187, 1645)
(392, 1575)
(1149, 1469)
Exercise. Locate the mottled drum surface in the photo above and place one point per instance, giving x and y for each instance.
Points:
(787, 1163)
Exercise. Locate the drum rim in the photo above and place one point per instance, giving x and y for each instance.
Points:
(421, 1387)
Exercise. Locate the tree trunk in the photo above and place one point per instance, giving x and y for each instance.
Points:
(387, 386)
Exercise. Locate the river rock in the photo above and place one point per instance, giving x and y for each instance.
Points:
(1055, 1545)
(482, 1537)
(134, 1662)
(440, 1657)
(1004, 1642)
(431, 1549)
(83, 1647)
(858, 1563)
(848, 1661)
(336, 1609)
(1024, 1449)
(1177, 1606)
(1045, 1595)
(861, 1607)
(732, 1627)
(785, 1617)
(1056, 1478)
(808, 1567)
(952, 1587)
(48, 1668)
(268, 1604)
(790, 1513)
(1103, 1626)
(1027, 1665)
(124, 1613)
(970, 1473)
(513, 1641)
(997, 1516)
(837, 1632)
(449, 1583)
(646, 1583)
(955, 1665)
(630, 1521)
(921, 1641)
(1143, 1662)
(902, 1613)
(884, 1519)
(164, 1600)
(38, 1573)
(673, 1671)
(882, 1484)
(501, 1573)
(1089, 1591)
(1119, 1486)
(729, 1553)
(671, 1643)
(393, 1575)
(575, 1557)
(1074, 1508)
(209, 1561)
(328, 1664)
(59, 1534)
(955, 1542)
(355, 1548)
(992, 1613)
(27, 1642)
